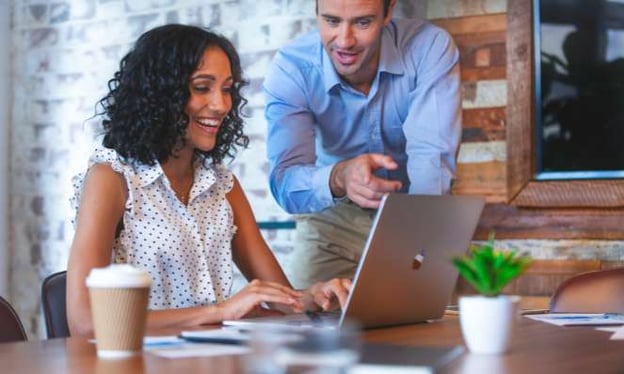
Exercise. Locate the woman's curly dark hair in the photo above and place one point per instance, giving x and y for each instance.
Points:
(144, 117)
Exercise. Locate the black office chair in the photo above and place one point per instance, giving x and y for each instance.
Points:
(11, 328)
(592, 292)
(53, 290)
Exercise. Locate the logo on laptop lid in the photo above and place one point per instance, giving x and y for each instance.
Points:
(418, 260)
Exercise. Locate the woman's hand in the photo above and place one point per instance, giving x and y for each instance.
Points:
(327, 295)
(248, 301)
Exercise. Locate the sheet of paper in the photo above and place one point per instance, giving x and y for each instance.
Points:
(608, 329)
(199, 350)
(618, 334)
(576, 319)
(159, 341)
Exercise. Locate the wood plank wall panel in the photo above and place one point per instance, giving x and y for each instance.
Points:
(520, 93)
(484, 124)
(481, 40)
(482, 179)
(558, 223)
(572, 194)
(544, 276)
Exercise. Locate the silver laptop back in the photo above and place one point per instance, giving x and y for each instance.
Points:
(405, 274)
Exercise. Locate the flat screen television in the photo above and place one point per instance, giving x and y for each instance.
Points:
(579, 89)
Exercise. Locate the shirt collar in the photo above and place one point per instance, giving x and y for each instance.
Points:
(389, 61)
(149, 173)
(330, 77)
(205, 177)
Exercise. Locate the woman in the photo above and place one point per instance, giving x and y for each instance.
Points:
(157, 196)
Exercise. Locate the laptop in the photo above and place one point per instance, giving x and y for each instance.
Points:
(405, 274)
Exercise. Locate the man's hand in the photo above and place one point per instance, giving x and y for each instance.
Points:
(355, 179)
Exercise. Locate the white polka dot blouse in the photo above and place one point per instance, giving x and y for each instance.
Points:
(185, 248)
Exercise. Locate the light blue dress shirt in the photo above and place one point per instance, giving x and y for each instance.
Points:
(412, 113)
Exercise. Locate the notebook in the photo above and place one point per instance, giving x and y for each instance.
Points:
(405, 274)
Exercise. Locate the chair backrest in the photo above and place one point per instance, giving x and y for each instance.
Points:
(53, 290)
(593, 292)
(11, 328)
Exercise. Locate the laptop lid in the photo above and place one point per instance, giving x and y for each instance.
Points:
(405, 274)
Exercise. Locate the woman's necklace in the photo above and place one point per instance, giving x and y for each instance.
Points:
(183, 198)
(180, 182)
(183, 193)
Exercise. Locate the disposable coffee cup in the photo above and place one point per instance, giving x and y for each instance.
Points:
(119, 295)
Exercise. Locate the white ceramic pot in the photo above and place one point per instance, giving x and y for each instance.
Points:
(487, 322)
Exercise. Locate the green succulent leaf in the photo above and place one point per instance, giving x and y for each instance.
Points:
(488, 269)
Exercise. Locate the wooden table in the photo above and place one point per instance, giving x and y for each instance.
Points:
(537, 348)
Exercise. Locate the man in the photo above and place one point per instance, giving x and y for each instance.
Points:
(364, 106)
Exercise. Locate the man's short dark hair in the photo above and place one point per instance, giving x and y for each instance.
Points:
(386, 5)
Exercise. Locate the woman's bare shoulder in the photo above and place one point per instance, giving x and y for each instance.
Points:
(103, 176)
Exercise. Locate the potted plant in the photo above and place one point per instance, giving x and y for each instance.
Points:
(487, 319)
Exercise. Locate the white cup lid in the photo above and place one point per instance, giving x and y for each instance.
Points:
(118, 275)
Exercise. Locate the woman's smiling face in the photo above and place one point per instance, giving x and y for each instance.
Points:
(211, 99)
